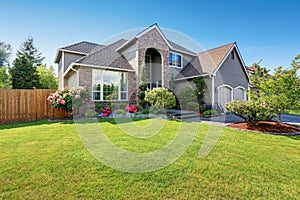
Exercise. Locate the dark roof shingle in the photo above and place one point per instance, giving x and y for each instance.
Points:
(108, 57)
(81, 47)
(206, 62)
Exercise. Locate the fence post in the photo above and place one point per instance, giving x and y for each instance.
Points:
(35, 103)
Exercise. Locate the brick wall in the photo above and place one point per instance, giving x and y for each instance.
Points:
(153, 39)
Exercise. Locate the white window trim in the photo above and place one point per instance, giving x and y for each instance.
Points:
(101, 91)
(181, 60)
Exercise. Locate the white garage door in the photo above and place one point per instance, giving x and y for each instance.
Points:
(239, 94)
(224, 96)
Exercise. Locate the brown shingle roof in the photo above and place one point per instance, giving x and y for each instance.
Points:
(206, 62)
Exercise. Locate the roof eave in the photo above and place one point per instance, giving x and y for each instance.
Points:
(95, 66)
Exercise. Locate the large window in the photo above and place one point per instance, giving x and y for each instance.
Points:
(175, 60)
(109, 85)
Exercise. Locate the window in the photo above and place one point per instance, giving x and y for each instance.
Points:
(175, 60)
(109, 85)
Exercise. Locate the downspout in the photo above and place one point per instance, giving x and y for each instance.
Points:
(77, 75)
(212, 89)
(62, 69)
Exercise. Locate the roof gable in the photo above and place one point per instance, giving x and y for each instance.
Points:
(172, 45)
(209, 62)
(81, 48)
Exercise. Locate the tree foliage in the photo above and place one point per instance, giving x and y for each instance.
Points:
(47, 77)
(273, 94)
(252, 111)
(5, 52)
(281, 90)
(24, 73)
(185, 96)
(4, 78)
(160, 97)
(199, 90)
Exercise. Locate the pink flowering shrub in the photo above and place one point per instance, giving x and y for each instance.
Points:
(69, 99)
(131, 108)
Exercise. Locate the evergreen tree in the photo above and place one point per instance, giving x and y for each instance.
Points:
(24, 71)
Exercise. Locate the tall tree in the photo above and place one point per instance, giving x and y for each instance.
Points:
(5, 52)
(47, 77)
(281, 90)
(24, 71)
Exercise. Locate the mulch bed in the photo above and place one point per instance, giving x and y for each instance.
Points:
(268, 127)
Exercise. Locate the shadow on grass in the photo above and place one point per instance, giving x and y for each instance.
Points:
(32, 123)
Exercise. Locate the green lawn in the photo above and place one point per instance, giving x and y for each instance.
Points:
(295, 112)
(41, 160)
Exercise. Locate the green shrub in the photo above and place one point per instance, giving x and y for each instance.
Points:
(157, 109)
(209, 113)
(122, 106)
(201, 109)
(185, 96)
(90, 113)
(120, 112)
(193, 106)
(145, 111)
(160, 97)
(252, 111)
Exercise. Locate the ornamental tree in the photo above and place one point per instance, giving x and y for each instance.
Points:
(281, 90)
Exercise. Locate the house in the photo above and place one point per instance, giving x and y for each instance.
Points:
(112, 72)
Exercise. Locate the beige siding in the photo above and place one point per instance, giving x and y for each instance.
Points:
(69, 58)
(72, 79)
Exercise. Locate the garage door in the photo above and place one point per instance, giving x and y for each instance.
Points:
(239, 94)
(224, 96)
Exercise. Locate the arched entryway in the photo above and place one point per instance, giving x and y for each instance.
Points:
(153, 68)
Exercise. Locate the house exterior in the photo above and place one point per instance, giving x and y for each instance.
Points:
(113, 72)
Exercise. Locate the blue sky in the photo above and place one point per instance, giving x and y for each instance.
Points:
(266, 30)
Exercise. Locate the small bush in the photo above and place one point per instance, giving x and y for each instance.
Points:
(122, 106)
(90, 113)
(120, 112)
(157, 110)
(209, 113)
(160, 97)
(193, 106)
(201, 109)
(145, 111)
(185, 96)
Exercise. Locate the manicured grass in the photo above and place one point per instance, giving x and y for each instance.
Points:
(295, 112)
(42, 160)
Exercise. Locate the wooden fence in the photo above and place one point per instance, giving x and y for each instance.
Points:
(21, 105)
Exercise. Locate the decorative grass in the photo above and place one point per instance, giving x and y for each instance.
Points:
(42, 160)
